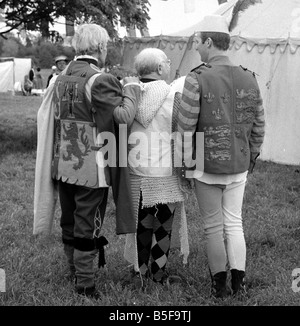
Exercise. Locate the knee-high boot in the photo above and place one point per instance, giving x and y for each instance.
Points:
(69, 252)
(219, 285)
(85, 276)
(238, 282)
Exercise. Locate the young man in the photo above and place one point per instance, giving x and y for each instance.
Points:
(222, 101)
(79, 105)
(61, 62)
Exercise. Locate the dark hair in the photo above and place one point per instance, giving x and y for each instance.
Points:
(221, 40)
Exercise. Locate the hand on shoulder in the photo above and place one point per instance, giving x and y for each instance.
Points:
(130, 79)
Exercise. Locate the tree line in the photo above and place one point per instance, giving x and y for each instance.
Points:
(43, 52)
(37, 15)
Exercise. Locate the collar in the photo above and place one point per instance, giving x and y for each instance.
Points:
(220, 60)
(147, 80)
(87, 58)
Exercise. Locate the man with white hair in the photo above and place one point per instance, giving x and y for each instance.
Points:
(155, 186)
(85, 104)
(222, 101)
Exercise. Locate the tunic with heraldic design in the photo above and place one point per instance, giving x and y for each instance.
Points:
(79, 121)
(227, 115)
(221, 102)
(76, 130)
(75, 151)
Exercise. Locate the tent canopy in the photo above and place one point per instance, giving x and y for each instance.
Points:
(6, 76)
(176, 48)
(266, 40)
(268, 19)
(13, 70)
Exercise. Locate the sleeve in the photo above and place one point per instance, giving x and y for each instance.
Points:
(188, 114)
(257, 134)
(258, 130)
(106, 95)
(108, 98)
(189, 108)
(126, 112)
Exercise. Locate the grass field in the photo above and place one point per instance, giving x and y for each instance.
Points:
(35, 266)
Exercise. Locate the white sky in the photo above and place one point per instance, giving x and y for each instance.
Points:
(170, 16)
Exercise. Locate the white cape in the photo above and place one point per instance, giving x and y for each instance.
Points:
(45, 190)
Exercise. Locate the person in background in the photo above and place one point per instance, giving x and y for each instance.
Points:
(61, 62)
(53, 73)
(31, 74)
(79, 106)
(39, 83)
(224, 102)
(28, 85)
(154, 180)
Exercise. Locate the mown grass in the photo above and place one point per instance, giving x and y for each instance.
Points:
(35, 265)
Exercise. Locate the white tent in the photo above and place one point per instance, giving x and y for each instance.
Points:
(266, 40)
(12, 71)
(6, 76)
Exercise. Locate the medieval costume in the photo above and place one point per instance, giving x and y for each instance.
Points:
(157, 197)
(80, 105)
(223, 101)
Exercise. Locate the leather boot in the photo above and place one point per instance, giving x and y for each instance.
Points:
(69, 252)
(84, 265)
(238, 282)
(89, 292)
(219, 285)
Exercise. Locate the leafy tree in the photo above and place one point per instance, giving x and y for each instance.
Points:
(10, 47)
(46, 55)
(114, 54)
(37, 14)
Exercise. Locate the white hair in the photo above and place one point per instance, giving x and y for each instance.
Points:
(89, 38)
(147, 60)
